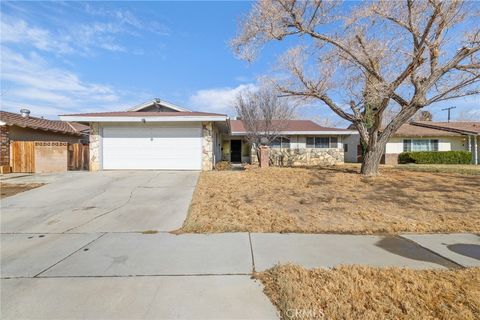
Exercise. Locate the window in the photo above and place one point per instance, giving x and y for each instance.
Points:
(283, 143)
(322, 142)
(310, 142)
(277, 143)
(407, 145)
(333, 142)
(345, 147)
(420, 145)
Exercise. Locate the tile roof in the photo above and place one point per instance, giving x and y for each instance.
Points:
(237, 126)
(16, 119)
(144, 114)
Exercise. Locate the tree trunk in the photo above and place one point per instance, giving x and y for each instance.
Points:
(371, 159)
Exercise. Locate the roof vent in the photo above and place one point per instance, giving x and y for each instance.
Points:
(25, 113)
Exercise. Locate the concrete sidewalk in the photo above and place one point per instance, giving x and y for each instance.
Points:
(136, 275)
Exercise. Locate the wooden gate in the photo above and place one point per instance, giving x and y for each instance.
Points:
(78, 156)
(23, 156)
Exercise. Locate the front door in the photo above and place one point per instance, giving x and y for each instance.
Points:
(236, 150)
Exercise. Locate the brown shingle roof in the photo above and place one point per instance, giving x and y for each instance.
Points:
(237, 126)
(16, 119)
(411, 130)
(144, 114)
(466, 127)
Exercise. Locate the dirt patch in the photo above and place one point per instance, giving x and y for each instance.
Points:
(336, 200)
(8, 189)
(357, 292)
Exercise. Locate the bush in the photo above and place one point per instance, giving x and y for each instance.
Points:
(223, 165)
(436, 157)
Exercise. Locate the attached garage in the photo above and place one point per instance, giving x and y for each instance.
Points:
(154, 146)
(152, 140)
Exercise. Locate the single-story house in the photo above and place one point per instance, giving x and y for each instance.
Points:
(301, 142)
(24, 127)
(424, 136)
(161, 135)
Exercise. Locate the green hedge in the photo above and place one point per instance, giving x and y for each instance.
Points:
(436, 157)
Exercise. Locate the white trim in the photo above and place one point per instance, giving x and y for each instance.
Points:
(160, 102)
(143, 119)
(306, 133)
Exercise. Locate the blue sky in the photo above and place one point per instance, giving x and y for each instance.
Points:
(68, 57)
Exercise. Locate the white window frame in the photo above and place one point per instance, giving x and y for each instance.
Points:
(408, 145)
(321, 137)
(283, 145)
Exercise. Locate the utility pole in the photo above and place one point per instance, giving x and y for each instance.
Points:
(449, 108)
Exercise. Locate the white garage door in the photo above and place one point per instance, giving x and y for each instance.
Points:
(152, 147)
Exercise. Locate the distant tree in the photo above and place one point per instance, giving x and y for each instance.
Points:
(264, 114)
(423, 115)
(326, 122)
(376, 54)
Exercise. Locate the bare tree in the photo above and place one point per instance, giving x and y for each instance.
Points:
(403, 55)
(264, 114)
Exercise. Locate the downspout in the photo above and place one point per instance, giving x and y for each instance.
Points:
(476, 150)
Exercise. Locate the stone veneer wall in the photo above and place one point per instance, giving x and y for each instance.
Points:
(207, 146)
(306, 157)
(4, 146)
(253, 155)
(94, 146)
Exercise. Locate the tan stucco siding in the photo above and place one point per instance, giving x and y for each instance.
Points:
(395, 145)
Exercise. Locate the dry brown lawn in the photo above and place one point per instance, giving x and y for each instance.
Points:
(336, 200)
(8, 189)
(357, 292)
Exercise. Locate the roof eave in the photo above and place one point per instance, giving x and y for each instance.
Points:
(140, 118)
(299, 133)
(449, 129)
(76, 133)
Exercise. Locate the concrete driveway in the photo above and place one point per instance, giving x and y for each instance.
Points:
(78, 248)
(109, 201)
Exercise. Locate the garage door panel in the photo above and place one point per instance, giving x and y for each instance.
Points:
(152, 148)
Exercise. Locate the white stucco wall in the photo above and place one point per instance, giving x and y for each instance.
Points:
(395, 145)
(352, 141)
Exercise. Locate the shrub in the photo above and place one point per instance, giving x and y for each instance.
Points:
(436, 157)
(223, 165)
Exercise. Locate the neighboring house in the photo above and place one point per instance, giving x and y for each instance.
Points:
(161, 135)
(425, 136)
(301, 142)
(23, 127)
